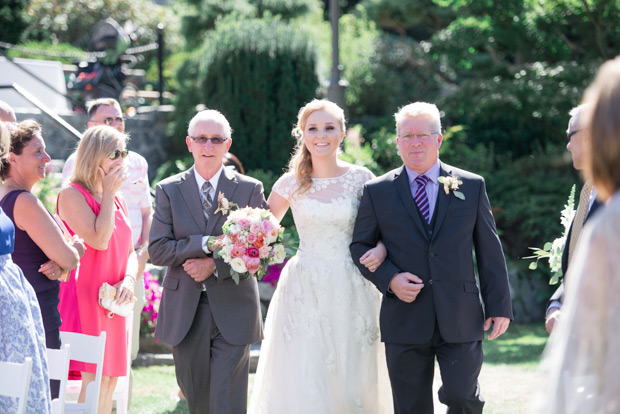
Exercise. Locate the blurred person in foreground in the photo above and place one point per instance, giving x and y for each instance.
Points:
(21, 325)
(208, 319)
(7, 113)
(581, 358)
(91, 208)
(43, 249)
(577, 136)
(136, 191)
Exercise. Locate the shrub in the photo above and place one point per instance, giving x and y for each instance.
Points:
(258, 73)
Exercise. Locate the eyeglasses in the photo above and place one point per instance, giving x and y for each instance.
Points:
(118, 153)
(422, 136)
(569, 134)
(110, 121)
(214, 140)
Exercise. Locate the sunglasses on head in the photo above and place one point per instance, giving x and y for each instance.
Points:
(118, 153)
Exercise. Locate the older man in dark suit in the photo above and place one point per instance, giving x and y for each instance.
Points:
(431, 217)
(209, 320)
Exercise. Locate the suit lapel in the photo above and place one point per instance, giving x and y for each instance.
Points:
(227, 186)
(189, 191)
(401, 181)
(443, 199)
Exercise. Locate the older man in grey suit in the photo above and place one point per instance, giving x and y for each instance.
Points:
(209, 320)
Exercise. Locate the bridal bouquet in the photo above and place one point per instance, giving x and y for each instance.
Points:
(252, 240)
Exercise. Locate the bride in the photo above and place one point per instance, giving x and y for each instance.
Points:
(322, 352)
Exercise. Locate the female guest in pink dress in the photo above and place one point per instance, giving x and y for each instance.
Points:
(91, 208)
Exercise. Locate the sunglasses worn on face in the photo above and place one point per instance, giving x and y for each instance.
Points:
(118, 153)
(214, 140)
(110, 121)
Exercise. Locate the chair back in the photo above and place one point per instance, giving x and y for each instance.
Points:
(15, 381)
(120, 397)
(89, 349)
(58, 367)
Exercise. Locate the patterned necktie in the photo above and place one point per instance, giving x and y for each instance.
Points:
(421, 199)
(580, 217)
(207, 201)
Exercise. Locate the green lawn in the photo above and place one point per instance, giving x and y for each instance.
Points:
(509, 376)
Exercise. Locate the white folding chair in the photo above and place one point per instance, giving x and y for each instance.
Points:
(120, 397)
(58, 367)
(15, 381)
(89, 349)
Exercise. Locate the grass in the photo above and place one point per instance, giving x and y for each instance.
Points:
(509, 377)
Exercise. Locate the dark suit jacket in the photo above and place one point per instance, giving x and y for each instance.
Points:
(444, 260)
(176, 235)
(558, 295)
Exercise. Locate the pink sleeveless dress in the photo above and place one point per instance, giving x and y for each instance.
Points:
(79, 307)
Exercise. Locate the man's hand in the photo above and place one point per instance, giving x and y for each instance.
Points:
(406, 286)
(553, 314)
(199, 269)
(500, 324)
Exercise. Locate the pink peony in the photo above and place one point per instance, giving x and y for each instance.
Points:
(243, 223)
(253, 252)
(255, 228)
(237, 250)
(252, 264)
(251, 239)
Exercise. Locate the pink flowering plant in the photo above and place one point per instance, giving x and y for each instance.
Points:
(252, 240)
(151, 307)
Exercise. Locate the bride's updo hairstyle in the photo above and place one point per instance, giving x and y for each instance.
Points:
(301, 161)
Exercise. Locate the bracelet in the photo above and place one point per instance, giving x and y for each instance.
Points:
(132, 278)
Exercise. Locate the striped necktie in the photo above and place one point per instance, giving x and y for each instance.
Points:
(421, 199)
(580, 217)
(207, 201)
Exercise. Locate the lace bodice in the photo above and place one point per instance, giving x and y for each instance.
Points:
(325, 214)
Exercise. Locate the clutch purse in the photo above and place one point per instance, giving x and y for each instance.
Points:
(107, 295)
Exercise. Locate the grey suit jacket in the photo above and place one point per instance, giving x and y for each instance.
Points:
(442, 259)
(176, 235)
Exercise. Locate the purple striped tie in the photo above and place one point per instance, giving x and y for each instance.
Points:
(421, 199)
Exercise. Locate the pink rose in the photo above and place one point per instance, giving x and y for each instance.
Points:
(251, 239)
(253, 252)
(252, 264)
(255, 228)
(243, 223)
(237, 251)
(267, 226)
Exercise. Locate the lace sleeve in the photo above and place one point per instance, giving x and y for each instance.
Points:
(581, 360)
(285, 185)
(362, 175)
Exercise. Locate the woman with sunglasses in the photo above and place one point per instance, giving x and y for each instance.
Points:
(42, 250)
(92, 209)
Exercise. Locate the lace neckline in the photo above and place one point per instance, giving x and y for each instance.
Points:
(349, 169)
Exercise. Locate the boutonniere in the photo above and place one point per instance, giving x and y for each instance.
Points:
(451, 183)
(224, 205)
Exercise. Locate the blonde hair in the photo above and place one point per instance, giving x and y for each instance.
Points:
(301, 161)
(419, 110)
(604, 124)
(95, 146)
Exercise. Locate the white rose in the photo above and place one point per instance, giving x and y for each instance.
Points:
(238, 265)
(280, 253)
(271, 237)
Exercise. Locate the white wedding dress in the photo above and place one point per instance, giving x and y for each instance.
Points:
(322, 352)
